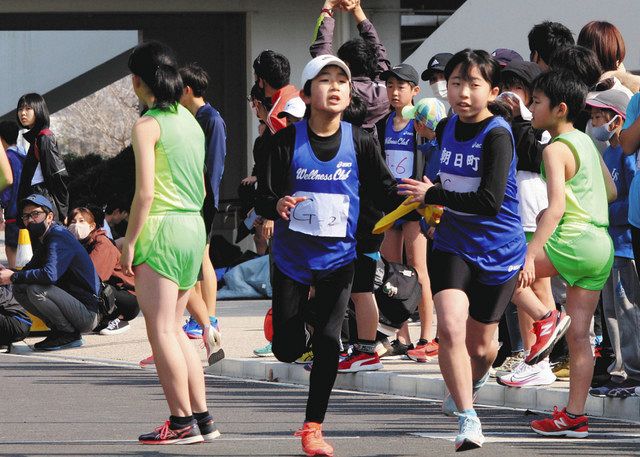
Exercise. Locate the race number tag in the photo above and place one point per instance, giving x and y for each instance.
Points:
(400, 163)
(320, 214)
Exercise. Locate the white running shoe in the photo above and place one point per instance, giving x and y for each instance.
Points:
(525, 375)
(470, 433)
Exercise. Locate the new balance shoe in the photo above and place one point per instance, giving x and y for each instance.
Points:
(192, 329)
(360, 361)
(547, 331)
(306, 357)
(313, 442)
(165, 435)
(560, 424)
(422, 353)
(264, 351)
(449, 407)
(208, 429)
(59, 340)
(509, 364)
(148, 362)
(525, 375)
(115, 327)
(470, 433)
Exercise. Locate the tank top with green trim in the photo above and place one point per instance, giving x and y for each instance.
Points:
(179, 162)
(585, 193)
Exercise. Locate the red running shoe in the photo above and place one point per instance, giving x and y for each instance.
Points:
(360, 361)
(165, 435)
(548, 331)
(423, 352)
(560, 424)
(312, 441)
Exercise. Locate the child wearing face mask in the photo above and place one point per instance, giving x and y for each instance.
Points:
(435, 75)
(86, 226)
(621, 293)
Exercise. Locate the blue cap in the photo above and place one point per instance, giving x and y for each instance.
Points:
(38, 200)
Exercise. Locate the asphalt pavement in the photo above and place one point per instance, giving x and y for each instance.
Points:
(52, 407)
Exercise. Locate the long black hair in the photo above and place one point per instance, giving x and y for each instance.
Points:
(40, 110)
(156, 64)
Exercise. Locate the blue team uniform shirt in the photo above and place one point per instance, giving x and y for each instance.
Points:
(298, 254)
(495, 244)
(623, 170)
(399, 149)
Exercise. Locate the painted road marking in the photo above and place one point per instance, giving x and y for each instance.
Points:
(519, 437)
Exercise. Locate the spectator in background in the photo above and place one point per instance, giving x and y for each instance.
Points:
(9, 197)
(14, 321)
(434, 74)
(366, 57)
(44, 171)
(272, 71)
(505, 56)
(606, 41)
(85, 224)
(202, 301)
(60, 284)
(293, 111)
(547, 38)
(116, 215)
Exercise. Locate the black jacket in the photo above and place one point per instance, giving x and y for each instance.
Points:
(43, 149)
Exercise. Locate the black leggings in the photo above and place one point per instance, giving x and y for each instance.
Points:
(126, 305)
(325, 313)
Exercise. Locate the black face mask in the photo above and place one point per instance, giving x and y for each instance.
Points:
(37, 229)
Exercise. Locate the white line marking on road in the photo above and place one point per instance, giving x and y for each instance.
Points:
(518, 437)
(224, 438)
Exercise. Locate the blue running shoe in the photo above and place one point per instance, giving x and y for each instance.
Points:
(470, 433)
(192, 329)
(449, 406)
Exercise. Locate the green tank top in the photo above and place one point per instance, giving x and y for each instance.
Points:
(179, 167)
(585, 193)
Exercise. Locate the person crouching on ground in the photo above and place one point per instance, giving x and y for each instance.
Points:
(59, 285)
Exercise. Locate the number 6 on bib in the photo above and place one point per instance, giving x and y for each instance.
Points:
(321, 214)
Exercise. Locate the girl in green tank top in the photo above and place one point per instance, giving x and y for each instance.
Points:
(571, 240)
(165, 238)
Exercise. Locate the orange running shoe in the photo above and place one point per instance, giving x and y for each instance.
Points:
(312, 441)
(424, 352)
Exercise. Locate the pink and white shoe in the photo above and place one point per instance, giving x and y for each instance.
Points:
(525, 375)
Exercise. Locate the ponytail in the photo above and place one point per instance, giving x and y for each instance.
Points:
(156, 64)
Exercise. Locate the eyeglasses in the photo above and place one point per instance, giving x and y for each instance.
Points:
(33, 215)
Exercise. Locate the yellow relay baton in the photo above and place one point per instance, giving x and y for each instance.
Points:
(431, 213)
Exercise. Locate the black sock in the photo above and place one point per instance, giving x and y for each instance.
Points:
(201, 416)
(573, 416)
(422, 341)
(365, 346)
(546, 316)
(177, 422)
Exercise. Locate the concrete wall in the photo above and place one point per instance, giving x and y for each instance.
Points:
(491, 24)
(39, 61)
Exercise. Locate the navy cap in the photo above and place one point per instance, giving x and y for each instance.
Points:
(37, 200)
(505, 56)
(436, 63)
(527, 71)
(403, 71)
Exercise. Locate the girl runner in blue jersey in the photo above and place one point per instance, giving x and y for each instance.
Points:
(479, 245)
(315, 173)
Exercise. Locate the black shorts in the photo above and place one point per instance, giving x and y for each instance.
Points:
(487, 303)
(365, 273)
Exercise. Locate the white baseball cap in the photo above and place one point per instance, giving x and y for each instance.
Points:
(295, 107)
(315, 65)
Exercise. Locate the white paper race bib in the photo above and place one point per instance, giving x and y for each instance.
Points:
(400, 162)
(320, 214)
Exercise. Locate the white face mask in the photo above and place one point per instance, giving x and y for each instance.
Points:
(80, 230)
(439, 89)
(602, 132)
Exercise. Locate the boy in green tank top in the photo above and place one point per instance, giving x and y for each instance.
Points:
(571, 238)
